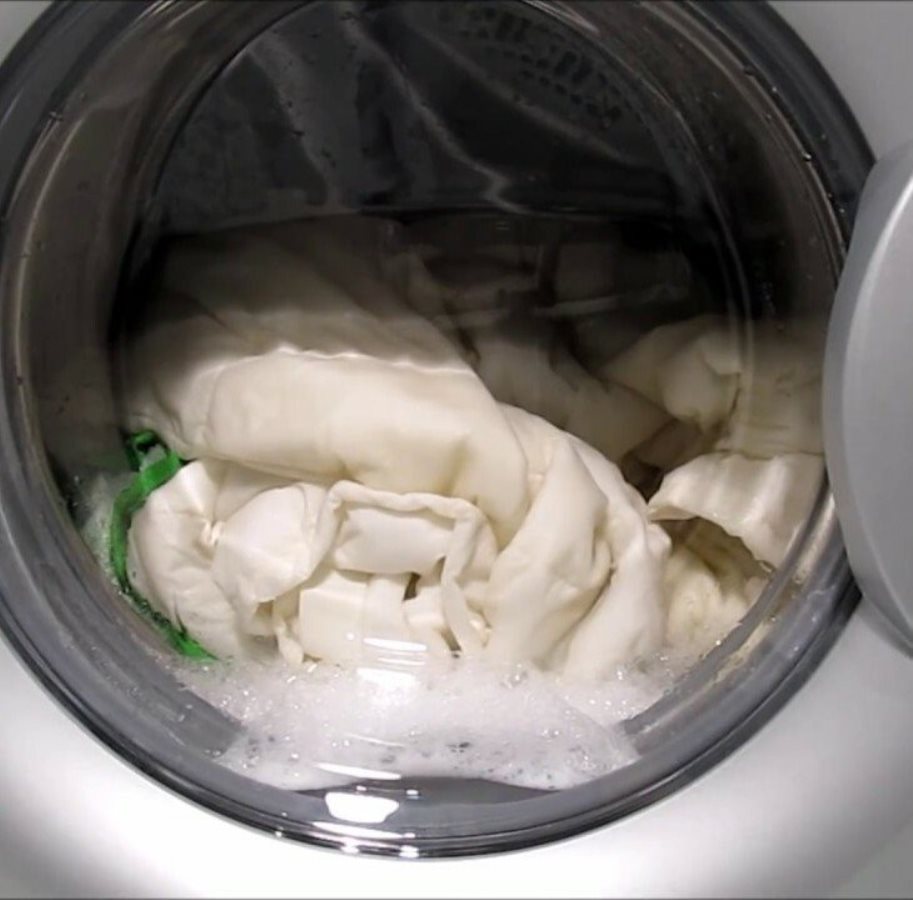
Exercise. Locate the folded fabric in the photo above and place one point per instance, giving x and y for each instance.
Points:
(763, 502)
(740, 516)
(761, 387)
(347, 573)
(545, 593)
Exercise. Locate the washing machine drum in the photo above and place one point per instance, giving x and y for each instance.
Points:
(569, 194)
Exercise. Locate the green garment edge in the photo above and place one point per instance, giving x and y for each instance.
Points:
(150, 475)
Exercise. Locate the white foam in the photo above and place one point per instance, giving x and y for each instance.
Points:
(327, 726)
(96, 501)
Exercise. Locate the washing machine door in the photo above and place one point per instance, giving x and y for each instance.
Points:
(94, 153)
(868, 417)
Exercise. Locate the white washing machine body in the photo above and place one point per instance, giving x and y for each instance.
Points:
(819, 801)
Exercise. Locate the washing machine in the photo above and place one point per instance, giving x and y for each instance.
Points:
(780, 765)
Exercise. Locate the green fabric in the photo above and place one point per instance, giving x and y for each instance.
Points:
(151, 473)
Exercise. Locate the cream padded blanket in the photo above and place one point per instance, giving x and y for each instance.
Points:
(358, 492)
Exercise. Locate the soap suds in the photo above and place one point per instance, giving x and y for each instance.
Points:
(325, 725)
